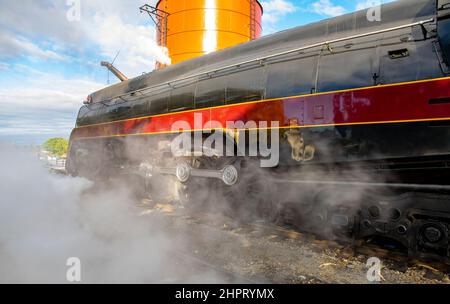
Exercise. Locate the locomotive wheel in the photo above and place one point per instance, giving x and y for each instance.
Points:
(252, 198)
(307, 209)
(197, 194)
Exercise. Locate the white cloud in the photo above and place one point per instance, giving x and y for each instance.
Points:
(28, 125)
(364, 4)
(37, 19)
(11, 46)
(280, 6)
(67, 95)
(367, 4)
(45, 104)
(274, 10)
(4, 66)
(136, 43)
(107, 26)
(327, 8)
(43, 90)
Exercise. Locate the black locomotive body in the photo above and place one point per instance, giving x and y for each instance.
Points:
(363, 108)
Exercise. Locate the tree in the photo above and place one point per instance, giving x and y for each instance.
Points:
(57, 146)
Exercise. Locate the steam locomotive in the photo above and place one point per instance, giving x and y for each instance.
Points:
(363, 108)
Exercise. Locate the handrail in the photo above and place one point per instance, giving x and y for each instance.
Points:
(260, 59)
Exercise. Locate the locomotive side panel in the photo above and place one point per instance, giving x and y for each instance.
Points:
(343, 122)
(339, 96)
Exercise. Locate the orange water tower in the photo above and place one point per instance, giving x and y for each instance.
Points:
(192, 28)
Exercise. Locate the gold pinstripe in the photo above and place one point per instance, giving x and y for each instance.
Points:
(269, 100)
(272, 128)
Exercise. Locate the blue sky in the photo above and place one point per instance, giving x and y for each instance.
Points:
(49, 60)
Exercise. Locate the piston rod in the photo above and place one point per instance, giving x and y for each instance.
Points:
(228, 175)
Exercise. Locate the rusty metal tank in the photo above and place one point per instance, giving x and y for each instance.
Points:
(193, 28)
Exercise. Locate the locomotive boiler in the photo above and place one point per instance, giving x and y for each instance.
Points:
(363, 112)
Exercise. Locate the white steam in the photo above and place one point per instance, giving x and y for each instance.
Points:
(46, 219)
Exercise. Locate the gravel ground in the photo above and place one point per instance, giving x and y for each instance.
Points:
(262, 253)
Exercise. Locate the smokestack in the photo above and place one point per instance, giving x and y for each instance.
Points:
(115, 71)
(189, 29)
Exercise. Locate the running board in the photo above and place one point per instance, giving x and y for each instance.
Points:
(362, 184)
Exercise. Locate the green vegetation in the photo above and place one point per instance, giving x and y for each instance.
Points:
(56, 146)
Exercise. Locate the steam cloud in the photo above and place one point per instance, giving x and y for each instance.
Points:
(46, 219)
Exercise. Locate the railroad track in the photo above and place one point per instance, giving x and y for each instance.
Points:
(202, 266)
(394, 260)
(397, 260)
